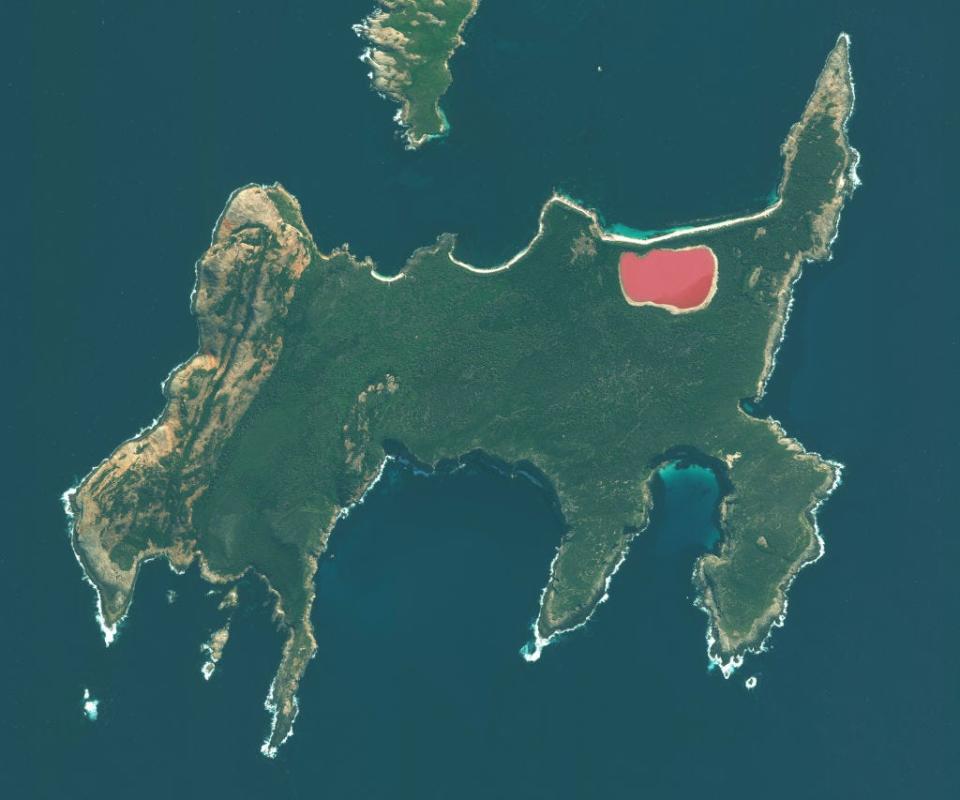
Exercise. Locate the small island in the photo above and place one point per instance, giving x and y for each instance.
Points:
(410, 46)
(314, 369)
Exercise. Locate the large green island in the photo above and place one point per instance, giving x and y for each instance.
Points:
(410, 46)
(313, 368)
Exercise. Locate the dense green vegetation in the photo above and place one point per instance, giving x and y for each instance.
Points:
(543, 362)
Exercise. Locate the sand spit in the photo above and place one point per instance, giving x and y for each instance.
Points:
(604, 235)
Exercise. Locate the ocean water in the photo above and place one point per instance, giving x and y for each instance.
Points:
(688, 495)
(138, 125)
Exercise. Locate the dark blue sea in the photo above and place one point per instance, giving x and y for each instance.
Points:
(127, 126)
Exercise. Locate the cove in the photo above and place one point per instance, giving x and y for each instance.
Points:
(684, 516)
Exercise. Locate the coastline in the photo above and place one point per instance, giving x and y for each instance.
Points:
(402, 116)
(777, 612)
(178, 561)
(300, 645)
(110, 629)
(273, 707)
(847, 184)
(778, 333)
(532, 650)
(604, 235)
(266, 205)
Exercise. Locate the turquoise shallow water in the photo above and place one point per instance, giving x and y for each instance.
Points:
(140, 124)
(692, 494)
(626, 230)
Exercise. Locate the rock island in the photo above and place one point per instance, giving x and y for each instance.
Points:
(410, 46)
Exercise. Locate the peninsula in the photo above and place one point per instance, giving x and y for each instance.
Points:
(313, 368)
(410, 46)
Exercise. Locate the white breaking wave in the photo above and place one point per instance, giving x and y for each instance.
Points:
(90, 706)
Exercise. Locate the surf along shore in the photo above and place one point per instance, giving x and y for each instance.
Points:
(226, 368)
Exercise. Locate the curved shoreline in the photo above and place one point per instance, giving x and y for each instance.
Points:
(110, 631)
(532, 650)
(728, 666)
(283, 683)
(598, 230)
(402, 116)
(849, 181)
(604, 235)
(735, 660)
(270, 704)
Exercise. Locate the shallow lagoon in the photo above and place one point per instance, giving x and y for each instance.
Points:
(685, 510)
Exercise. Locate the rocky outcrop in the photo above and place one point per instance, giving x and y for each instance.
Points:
(137, 503)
